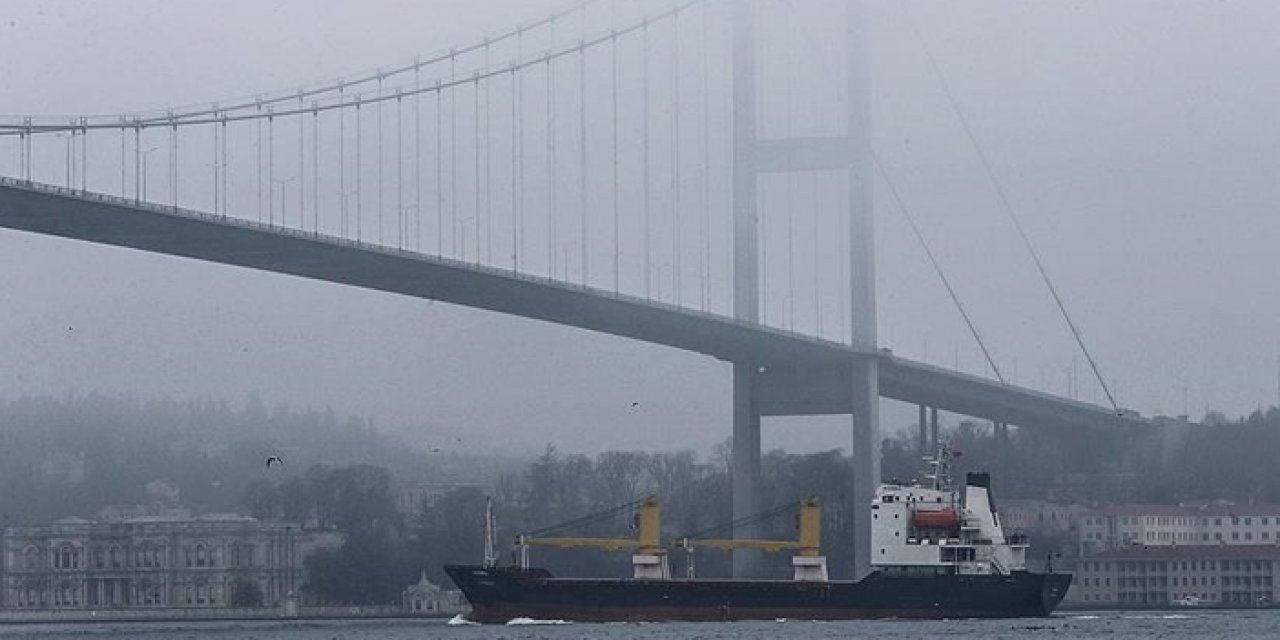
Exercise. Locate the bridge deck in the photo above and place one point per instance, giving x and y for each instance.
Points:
(800, 374)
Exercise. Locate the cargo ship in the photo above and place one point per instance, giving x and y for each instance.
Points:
(937, 552)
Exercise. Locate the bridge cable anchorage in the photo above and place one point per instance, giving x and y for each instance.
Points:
(1007, 206)
(937, 267)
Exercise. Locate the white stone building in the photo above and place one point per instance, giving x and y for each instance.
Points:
(173, 561)
(1152, 525)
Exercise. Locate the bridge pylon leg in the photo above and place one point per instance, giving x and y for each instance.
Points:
(922, 435)
(745, 466)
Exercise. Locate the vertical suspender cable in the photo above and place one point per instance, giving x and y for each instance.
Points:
(359, 175)
(381, 188)
(439, 171)
(342, 164)
(84, 155)
(137, 164)
(315, 168)
(270, 165)
(399, 171)
(225, 167)
(453, 157)
(706, 170)
(488, 162)
(675, 158)
(644, 146)
(173, 160)
(551, 154)
(551, 161)
(582, 144)
(617, 233)
(417, 157)
(475, 118)
(258, 152)
(302, 173)
(217, 202)
(515, 172)
(123, 178)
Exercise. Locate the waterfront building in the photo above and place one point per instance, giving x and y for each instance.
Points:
(164, 561)
(1163, 575)
(1156, 525)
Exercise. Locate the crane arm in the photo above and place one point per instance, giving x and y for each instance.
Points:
(607, 544)
(729, 545)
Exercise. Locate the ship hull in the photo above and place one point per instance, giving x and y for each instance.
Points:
(500, 594)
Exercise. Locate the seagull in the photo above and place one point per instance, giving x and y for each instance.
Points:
(635, 404)
(275, 459)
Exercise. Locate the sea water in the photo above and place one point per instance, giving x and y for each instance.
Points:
(1219, 625)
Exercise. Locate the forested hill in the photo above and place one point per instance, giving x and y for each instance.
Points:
(78, 455)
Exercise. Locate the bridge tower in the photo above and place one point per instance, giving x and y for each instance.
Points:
(754, 156)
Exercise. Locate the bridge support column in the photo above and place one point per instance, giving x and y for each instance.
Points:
(865, 387)
(933, 429)
(922, 435)
(745, 467)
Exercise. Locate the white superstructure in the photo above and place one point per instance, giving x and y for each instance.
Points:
(935, 529)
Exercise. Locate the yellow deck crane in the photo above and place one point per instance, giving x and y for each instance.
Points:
(810, 565)
(649, 558)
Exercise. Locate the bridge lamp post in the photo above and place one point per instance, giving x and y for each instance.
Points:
(144, 171)
(283, 211)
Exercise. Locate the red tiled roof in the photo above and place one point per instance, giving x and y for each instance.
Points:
(1188, 552)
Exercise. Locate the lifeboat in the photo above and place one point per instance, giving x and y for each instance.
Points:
(946, 518)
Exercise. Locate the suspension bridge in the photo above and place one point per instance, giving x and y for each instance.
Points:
(646, 174)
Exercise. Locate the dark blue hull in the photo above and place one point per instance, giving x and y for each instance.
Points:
(502, 593)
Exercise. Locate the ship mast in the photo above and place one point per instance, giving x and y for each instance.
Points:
(490, 533)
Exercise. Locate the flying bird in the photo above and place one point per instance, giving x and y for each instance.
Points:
(275, 459)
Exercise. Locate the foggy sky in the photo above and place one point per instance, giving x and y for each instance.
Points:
(1137, 142)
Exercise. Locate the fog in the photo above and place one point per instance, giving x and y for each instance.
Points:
(1136, 141)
